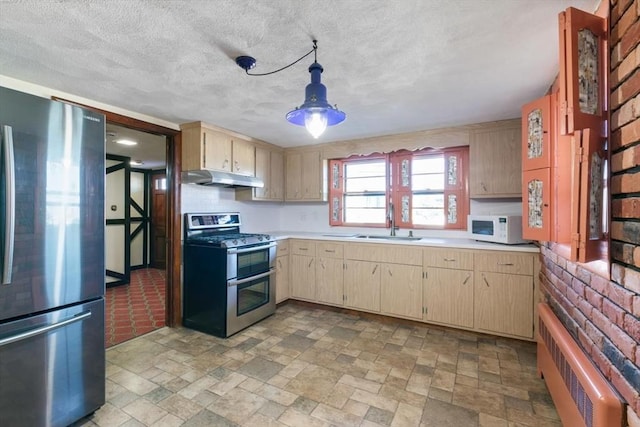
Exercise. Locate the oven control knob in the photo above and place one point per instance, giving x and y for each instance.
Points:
(244, 241)
(260, 238)
(235, 243)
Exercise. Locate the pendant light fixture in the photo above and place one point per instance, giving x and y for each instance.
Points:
(315, 113)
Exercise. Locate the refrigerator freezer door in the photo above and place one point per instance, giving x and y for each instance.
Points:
(52, 366)
(58, 209)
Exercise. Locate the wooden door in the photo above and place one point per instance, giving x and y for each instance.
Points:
(362, 285)
(158, 220)
(329, 281)
(293, 177)
(537, 132)
(311, 182)
(401, 290)
(536, 199)
(276, 176)
(504, 303)
(448, 296)
(282, 278)
(243, 156)
(303, 277)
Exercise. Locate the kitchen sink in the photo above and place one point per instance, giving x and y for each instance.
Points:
(386, 237)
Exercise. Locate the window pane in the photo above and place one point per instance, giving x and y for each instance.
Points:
(364, 169)
(434, 217)
(351, 201)
(360, 185)
(430, 164)
(427, 182)
(432, 201)
(365, 216)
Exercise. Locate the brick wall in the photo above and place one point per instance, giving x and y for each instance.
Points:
(604, 315)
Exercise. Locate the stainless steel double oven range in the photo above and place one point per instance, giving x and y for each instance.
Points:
(229, 277)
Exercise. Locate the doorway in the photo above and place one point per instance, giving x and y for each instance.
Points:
(135, 233)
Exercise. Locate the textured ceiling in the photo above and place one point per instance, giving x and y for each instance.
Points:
(392, 66)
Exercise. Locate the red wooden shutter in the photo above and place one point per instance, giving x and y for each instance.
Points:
(336, 192)
(537, 134)
(456, 202)
(582, 79)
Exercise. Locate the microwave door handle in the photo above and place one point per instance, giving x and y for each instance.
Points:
(10, 204)
(251, 249)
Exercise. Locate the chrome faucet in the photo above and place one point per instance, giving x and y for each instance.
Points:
(392, 218)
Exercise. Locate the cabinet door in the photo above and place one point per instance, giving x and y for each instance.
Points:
(495, 165)
(537, 131)
(216, 148)
(276, 176)
(448, 296)
(329, 281)
(293, 176)
(583, 69)
(536, 213)
(243, 157)
(282, 278)
(303, 277)
(362, 285)
(401, 290)
(262, 171)
(311, 176)
(504, 303)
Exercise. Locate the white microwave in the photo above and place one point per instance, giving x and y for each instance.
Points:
(505, 229)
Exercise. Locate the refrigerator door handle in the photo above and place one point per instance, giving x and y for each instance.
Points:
(44, 329)
(10, 202)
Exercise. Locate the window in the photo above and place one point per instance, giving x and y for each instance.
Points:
(426, 188)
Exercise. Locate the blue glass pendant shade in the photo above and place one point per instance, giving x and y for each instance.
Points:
(316, 105)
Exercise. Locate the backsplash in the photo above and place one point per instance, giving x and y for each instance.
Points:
(307, 217)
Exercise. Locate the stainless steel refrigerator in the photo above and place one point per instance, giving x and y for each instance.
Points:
(52, 353)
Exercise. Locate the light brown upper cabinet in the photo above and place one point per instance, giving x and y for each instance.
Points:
(270, 168)
(495, 162)
(205, 147)
(305, 177)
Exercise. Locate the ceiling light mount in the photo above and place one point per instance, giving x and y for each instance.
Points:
(315, 113)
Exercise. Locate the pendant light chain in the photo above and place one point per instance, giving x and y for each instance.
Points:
(314, 51)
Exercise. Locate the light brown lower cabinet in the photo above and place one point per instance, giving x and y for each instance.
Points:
(448, 296)
(303, 276)
(362, 285)
(401, 290)
(282, 278)
(504, 303)
(329, 280)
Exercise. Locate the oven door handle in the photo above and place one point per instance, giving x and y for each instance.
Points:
(231, 283)
(251, 249)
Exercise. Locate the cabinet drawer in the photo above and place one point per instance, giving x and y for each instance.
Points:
(457, 260)
(283, 248)
(302, 247)
(394, 254)
(500, 262)
(330, 250)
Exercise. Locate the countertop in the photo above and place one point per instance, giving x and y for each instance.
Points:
(424, 241)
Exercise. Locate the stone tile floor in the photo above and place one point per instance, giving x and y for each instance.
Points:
(314, 367)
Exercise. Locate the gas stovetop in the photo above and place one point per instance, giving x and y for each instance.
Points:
(219, 230)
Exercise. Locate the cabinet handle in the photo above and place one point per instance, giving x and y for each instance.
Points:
(374, 269)
(485, 280)
(467, 279)
(484, 187)
(322, 264)
(330, 251)
(310, 262)
(237, 166)
(224, 164)
(279, 263)
(389, 271)
(303, 249)
(506, 263)
(450, 259)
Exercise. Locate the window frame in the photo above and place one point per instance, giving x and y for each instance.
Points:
(395, 191)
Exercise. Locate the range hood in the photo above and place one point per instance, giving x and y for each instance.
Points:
(224, 179)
